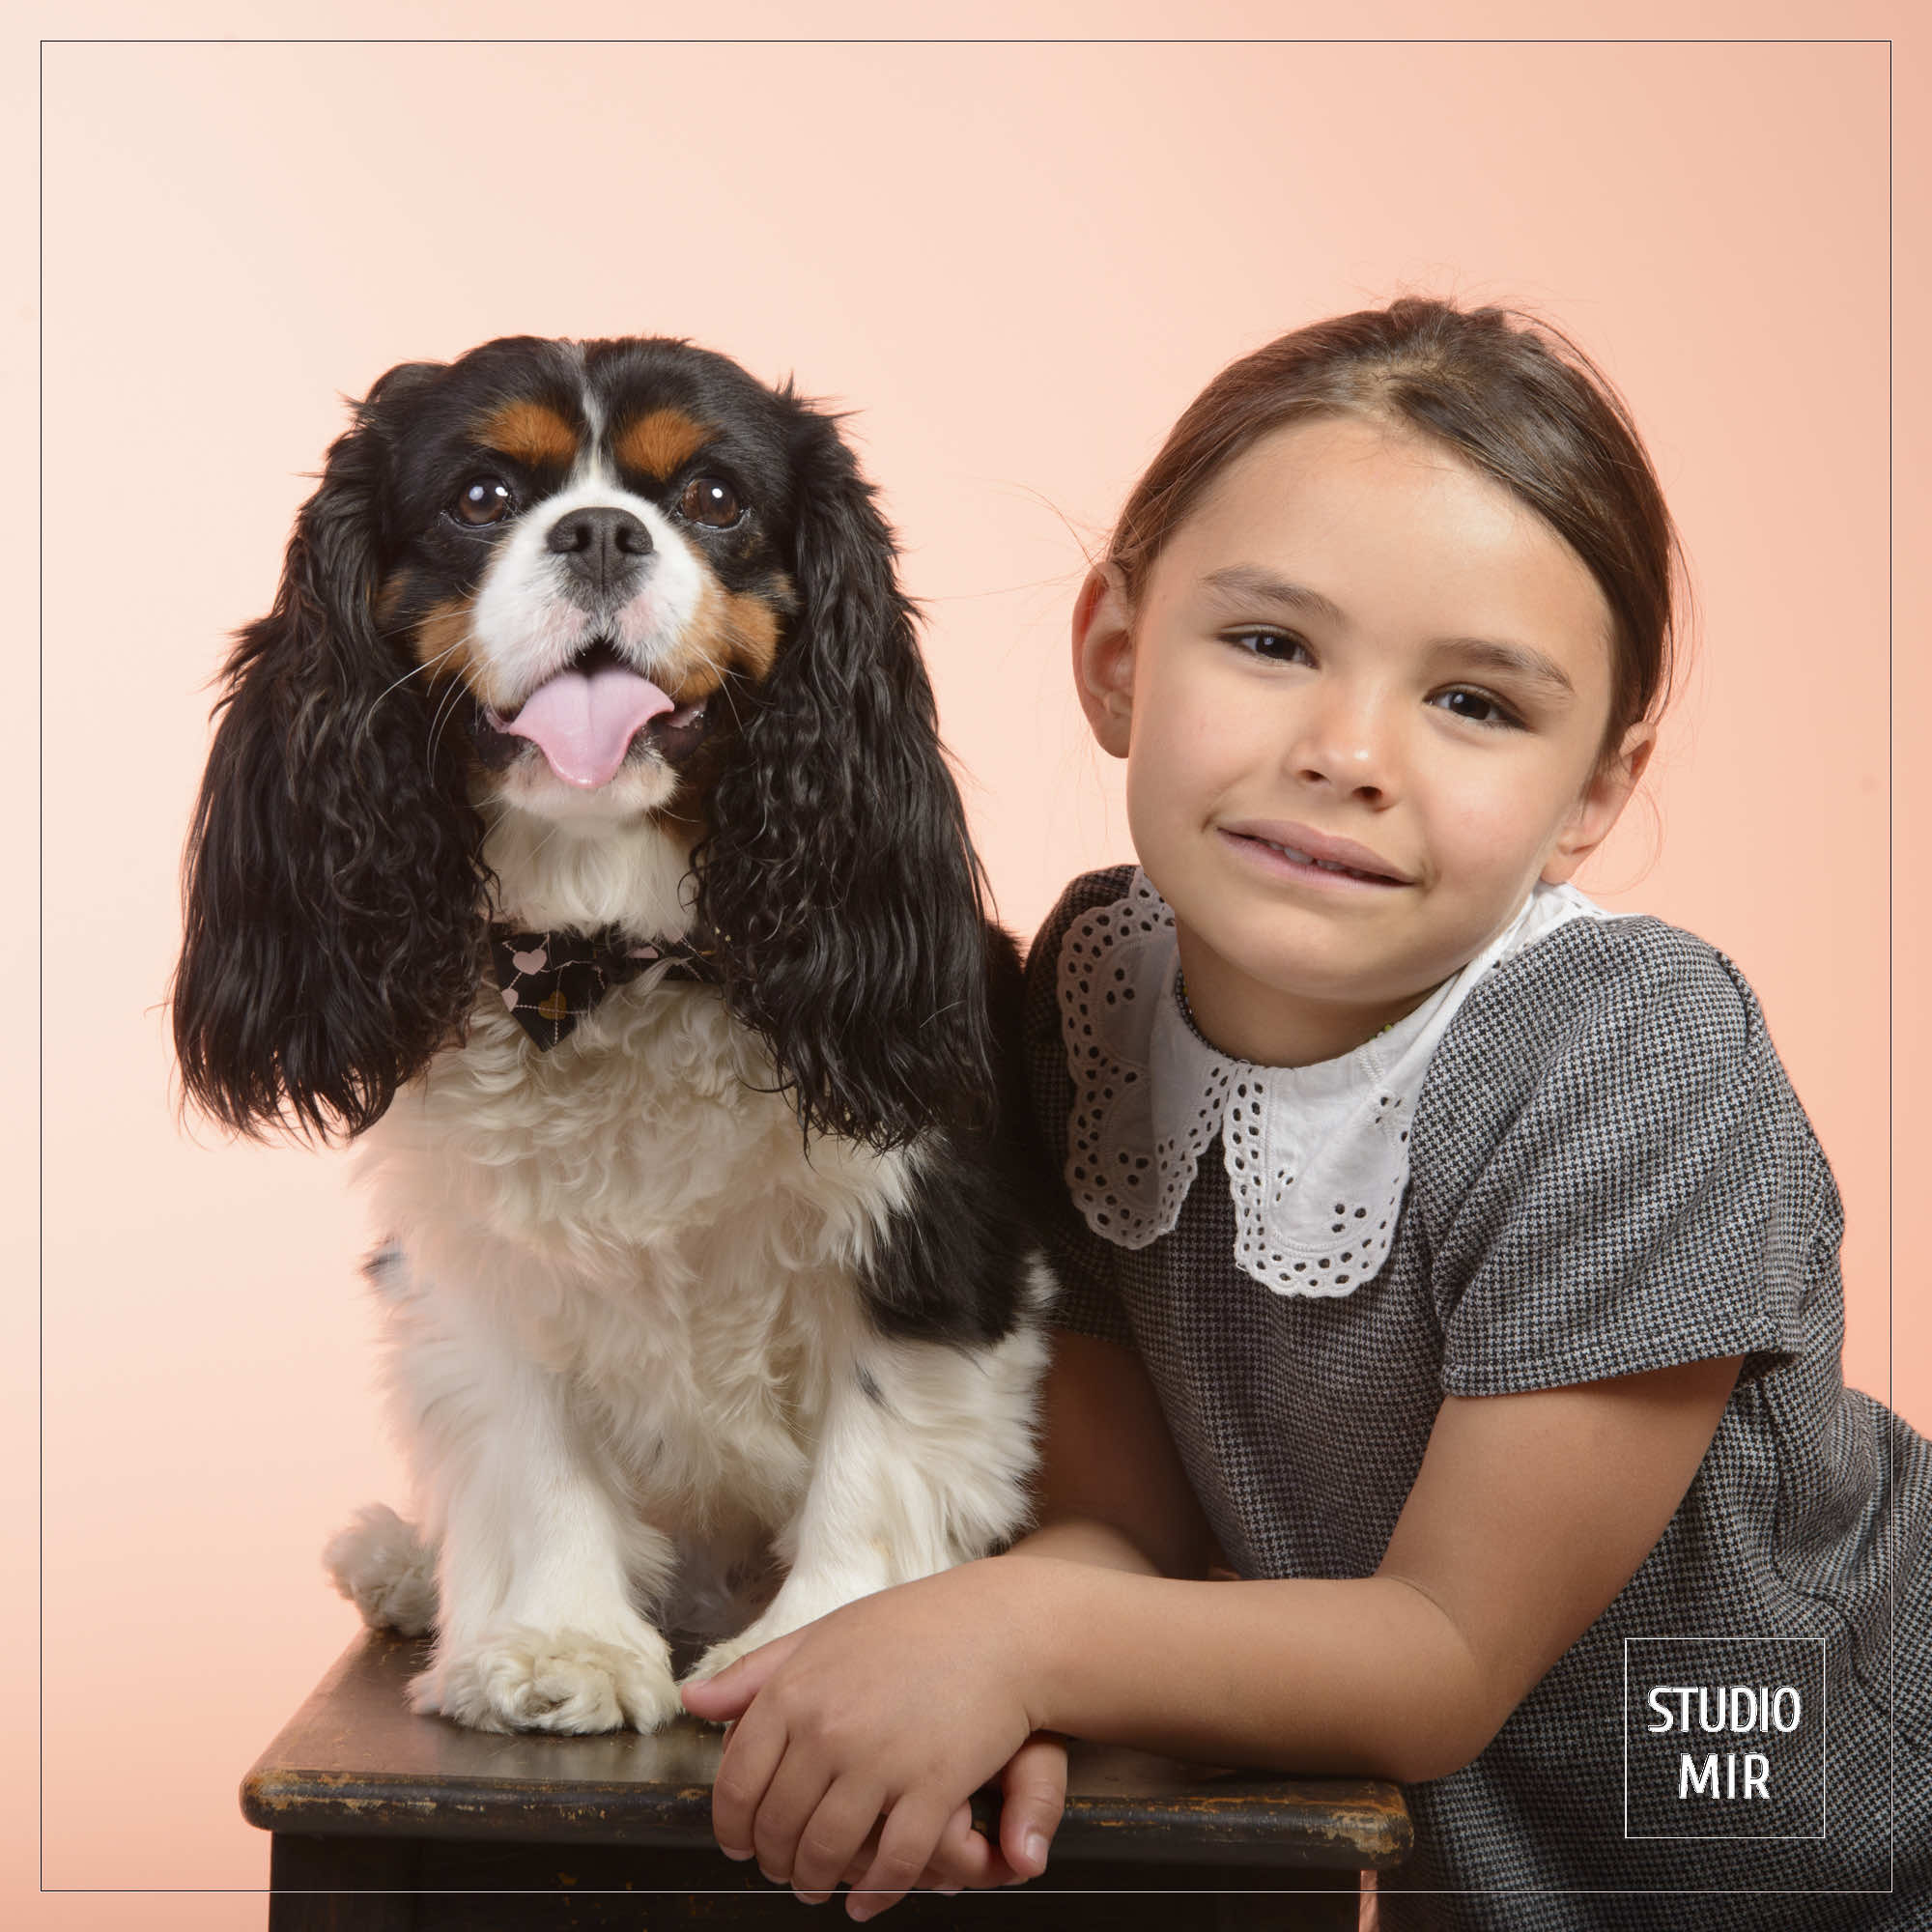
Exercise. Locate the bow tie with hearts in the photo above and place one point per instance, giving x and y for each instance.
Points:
(550, 979)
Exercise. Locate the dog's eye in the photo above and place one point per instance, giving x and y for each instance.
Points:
(485, 500)
(709, 499)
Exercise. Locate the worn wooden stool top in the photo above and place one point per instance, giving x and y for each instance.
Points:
(356, 1769)
(356, 1759)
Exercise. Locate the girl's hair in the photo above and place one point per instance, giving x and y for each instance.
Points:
(1511, 396)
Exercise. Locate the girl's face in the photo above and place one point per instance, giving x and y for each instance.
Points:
(1362, 702)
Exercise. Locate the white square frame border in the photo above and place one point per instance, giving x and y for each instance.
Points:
(1816, 1837)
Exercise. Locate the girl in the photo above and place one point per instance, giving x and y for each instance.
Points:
(1449, 1259)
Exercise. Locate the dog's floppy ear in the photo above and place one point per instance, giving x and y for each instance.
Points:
(836, 878)
(330, 882)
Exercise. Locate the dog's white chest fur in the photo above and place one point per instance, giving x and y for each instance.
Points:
(637, 1209)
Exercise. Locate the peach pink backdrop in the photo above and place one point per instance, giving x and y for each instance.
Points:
(1017, 263)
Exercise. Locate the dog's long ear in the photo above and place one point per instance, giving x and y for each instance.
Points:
(330, 882)
(837, 876)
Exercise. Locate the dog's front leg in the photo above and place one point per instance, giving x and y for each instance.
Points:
(922, 1464)
(541, 1565)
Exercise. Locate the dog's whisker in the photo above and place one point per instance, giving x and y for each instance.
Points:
(724, 674)
(427, 665)
(444, 711)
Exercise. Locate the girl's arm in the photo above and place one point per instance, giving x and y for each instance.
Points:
(1530, 1512)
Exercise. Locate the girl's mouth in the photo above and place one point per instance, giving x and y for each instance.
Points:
(1292, 862)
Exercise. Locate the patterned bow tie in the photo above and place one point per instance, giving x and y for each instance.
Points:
(550, 979)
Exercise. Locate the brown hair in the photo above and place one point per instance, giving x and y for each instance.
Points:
(1511, 396)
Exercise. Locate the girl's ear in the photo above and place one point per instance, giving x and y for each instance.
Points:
(1601, 805)
(1103, 657)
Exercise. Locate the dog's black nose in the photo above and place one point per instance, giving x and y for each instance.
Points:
(600, 542)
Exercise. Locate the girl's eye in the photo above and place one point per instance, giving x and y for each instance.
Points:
(1276, 646)
(1477, 706)
(710, 499)
(487, 499)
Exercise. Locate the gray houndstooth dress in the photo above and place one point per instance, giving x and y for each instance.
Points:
(1609, 1172)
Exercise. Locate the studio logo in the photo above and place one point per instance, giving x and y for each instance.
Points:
(1724, 1737)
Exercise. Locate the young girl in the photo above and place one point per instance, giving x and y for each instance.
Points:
(1450, 1260)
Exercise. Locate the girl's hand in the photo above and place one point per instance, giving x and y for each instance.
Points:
(892, 1711)
(1033, 1789)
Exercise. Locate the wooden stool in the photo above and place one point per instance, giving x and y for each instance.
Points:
(384, 1820)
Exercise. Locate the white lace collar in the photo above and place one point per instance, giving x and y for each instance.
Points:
(1317, 1156)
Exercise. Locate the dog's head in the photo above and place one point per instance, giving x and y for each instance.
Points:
(596, 586)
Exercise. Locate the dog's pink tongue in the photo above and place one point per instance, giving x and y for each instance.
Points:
(584, 721)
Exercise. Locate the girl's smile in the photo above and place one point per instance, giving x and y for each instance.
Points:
(1362, 701)
(1293, 851)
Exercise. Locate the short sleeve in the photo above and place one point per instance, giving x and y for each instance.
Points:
(1639, 1187)
(1083, 1263)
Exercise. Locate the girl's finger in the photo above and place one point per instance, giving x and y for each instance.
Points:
(906, 1843)
(962, 1858)
(751, 1754)
(796, 1790)
(843, 1820)
(1034, 1798)
(861, 1860)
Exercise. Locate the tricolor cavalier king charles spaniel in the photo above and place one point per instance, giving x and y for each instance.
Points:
(577, 834)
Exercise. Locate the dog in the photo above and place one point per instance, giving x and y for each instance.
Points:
(576, 837)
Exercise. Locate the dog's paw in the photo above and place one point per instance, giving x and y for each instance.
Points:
(518, 1678)
(384, 1569)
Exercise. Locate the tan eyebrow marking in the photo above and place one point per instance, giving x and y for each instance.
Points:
(658, 443)
(531, 433)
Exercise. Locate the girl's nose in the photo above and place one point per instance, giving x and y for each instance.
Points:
(1347, 743)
